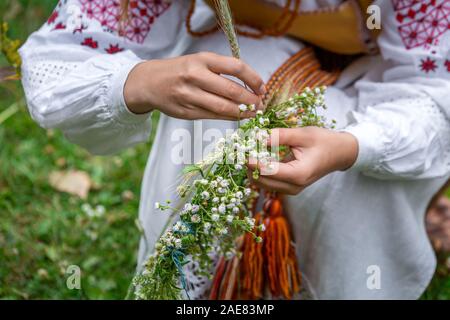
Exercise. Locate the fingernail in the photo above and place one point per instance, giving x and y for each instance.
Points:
(262, 89)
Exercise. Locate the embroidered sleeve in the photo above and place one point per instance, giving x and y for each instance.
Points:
(74, 69)
(403, 123)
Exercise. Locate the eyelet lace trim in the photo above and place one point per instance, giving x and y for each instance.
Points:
(38, 72)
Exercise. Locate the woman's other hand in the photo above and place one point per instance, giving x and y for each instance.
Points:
(192, 87)
(316, 152)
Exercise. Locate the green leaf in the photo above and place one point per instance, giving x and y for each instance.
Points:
(51, 253)
(192, 168)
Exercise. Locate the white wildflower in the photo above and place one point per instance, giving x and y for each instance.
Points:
(224, 183)
(253, 154)
(100, 210)
(242, 107)
(177, 243)
(250, 221)
(205, 195)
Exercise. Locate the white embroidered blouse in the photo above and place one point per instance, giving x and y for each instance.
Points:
(397, 104)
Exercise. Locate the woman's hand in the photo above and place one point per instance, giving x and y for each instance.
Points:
(191, 87)
(316, 152)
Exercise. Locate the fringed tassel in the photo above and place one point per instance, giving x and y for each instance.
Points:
(217, 280)
(226, 277)
(251, 268)
(272, 264)
(279, 253)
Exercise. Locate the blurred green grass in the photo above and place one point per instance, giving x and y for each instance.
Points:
(43, 231)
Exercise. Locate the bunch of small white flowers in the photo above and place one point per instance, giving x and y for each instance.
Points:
(219, 207)
(168, 240)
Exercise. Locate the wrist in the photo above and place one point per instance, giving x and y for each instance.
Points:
(348, 149)
(135, 95)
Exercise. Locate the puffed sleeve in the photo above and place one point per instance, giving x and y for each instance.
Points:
(73, 73)
(402, 123)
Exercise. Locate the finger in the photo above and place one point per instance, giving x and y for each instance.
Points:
(288, 158)
(191, 112)
(227, 88)
(199, 114)
(218, 105)
(291, 137)
(239, 69)
(279, 186)
(290, 172)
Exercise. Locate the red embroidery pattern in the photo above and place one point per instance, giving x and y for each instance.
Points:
(79, 29)
(90, 43)
(422, 23)
(55, 13)
(428, 65)
(142, 13)
(53, 17)
(447, 65)
(403, 4)
(59, 26)
(114, 48)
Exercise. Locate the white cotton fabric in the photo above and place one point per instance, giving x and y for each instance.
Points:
(347, 223)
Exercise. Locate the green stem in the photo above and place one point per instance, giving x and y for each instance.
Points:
(10, 111)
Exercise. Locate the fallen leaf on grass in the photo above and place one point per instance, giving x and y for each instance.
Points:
(74, 182)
